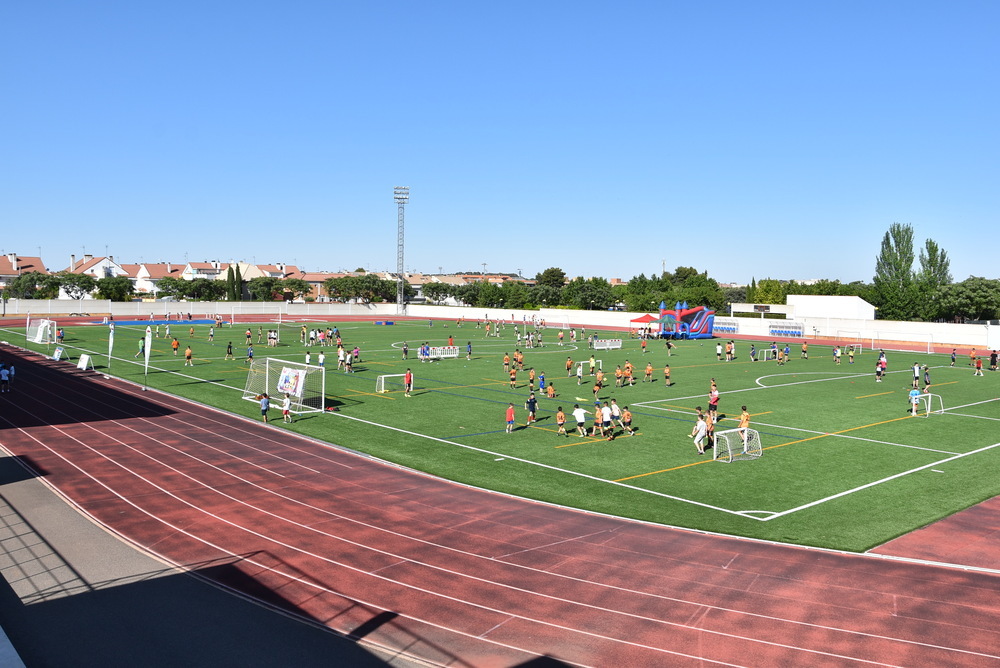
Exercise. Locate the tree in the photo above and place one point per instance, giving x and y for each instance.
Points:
(31, 285)
(974, 298)
(769, 291)
(343, 288)
(116, 288)
(171, 286)
(238, 283)
(77, 286)
(592, 293)
(204, 289)
(680, 275)
(298, 287)
(934, 274)
(514, 294)
(231, 294)
(752, 292)
(546, 295)
(894, 287)
(552, 277)
(704, 291)
(437, 292)
(263, 287)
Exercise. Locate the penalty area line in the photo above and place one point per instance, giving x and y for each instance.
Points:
(879, 482)
(544, 466)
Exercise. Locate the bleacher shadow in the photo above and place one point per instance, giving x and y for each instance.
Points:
(165, 619)
(46, 392)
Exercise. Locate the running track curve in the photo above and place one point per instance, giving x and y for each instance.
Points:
(456, 576)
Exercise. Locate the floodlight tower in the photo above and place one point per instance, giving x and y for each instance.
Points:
(402, 195)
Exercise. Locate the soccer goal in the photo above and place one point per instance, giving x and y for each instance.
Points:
(607, 344)
(737, 444)
(41, 330)
(584, 367)
(389, 382)
(928, 401)
(904, 341)
(304, 383)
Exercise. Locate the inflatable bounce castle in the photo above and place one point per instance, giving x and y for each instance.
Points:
(688, 323)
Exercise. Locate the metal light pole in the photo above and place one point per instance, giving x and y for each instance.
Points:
(402, 195)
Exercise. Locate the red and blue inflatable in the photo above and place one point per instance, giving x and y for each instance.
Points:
(689, 323)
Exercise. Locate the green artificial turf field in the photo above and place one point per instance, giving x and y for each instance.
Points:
(844, 464)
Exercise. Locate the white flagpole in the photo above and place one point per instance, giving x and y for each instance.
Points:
(149, 346)
(111, 342)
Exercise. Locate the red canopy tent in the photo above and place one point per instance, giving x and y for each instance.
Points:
(643, 319)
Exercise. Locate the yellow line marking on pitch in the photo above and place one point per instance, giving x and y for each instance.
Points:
(585, 441)
(370, 394)
(780, 445)
(865, 396)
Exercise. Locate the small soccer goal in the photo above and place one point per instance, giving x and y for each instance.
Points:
(583, 368)
(305, 384)
(737, 444)
(929, 401)
(392, 382)
(40, 330)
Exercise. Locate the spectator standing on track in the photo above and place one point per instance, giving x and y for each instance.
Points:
(4, 378)
(10, 375)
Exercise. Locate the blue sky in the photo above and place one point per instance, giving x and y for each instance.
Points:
(746, 139)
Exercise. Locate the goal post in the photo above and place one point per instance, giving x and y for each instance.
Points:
(607, 344)
(40, 330)
(737, 445)
(305, 384)
(585, 366)
(929, 401)
(389, 382)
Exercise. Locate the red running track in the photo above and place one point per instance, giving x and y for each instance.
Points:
(461, 577)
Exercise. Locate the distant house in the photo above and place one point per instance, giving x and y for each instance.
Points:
(98, 267)
(12, 265)
(214, 270)
(151, 273)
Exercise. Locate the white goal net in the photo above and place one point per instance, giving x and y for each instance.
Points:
(607, 344)
(737, 444)
(305, 384)
(389, 382)
(41, 330)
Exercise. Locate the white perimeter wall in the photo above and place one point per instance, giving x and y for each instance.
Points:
(979, 336)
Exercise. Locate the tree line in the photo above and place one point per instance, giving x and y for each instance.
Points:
(907, 285)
